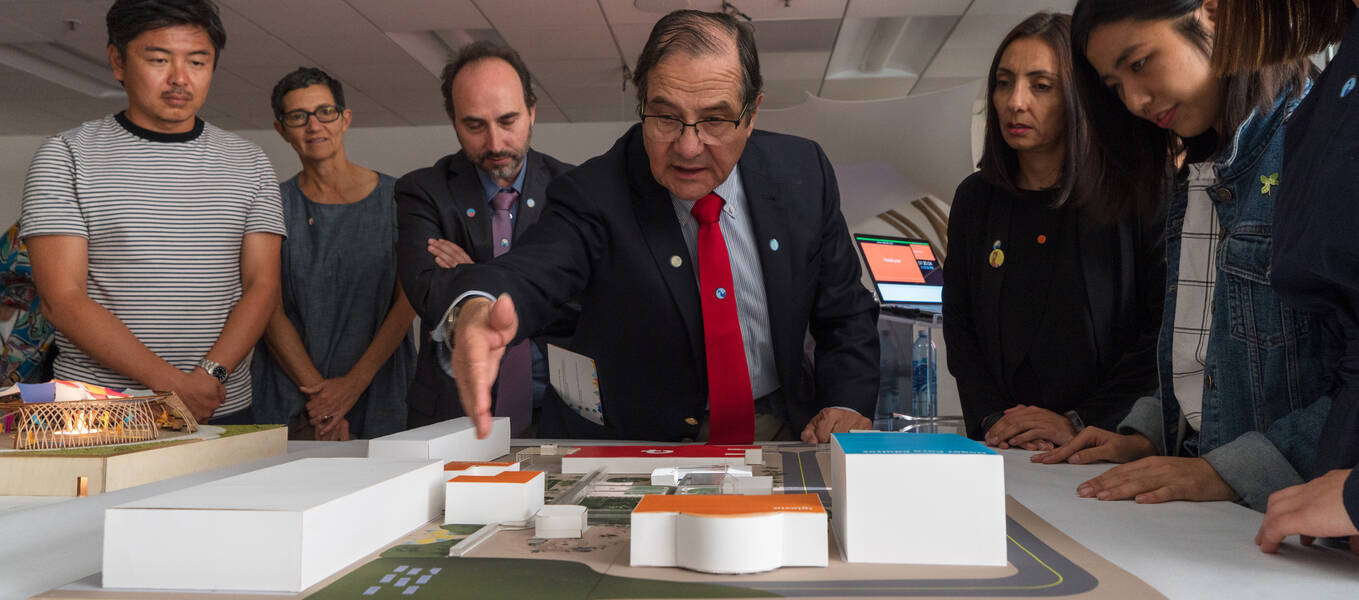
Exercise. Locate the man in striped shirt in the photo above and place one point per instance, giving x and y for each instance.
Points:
(154, 236)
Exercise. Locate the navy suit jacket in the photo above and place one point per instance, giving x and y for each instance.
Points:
(446, 201)
(610, 238)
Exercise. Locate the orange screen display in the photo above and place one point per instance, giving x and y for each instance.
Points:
(897, 262)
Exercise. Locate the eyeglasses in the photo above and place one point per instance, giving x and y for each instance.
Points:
(325, 113)
(668, 129)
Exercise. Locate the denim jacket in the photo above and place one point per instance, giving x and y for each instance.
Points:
(1264, 378)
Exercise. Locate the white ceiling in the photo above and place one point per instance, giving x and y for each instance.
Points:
(384, 51)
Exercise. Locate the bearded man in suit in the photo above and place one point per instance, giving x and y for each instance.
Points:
(468, 208)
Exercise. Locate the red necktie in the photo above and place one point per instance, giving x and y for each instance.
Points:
(514, 398)
(731, 405)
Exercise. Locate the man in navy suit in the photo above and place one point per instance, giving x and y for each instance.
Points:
(628, 234)
(446, 212)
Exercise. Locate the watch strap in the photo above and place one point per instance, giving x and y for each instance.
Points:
(214, 369)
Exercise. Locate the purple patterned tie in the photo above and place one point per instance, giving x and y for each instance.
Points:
(515, 396)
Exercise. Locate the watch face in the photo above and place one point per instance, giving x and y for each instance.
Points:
(220, 373)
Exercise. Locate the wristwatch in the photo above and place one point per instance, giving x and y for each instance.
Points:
(214, 369)
(451, 317)
(1075, 419)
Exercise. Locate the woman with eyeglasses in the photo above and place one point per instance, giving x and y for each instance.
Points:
(1050, 306)
(337, 354)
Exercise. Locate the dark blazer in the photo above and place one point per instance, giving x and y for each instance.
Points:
(434, 202)
(1098, 368)
(611, 238)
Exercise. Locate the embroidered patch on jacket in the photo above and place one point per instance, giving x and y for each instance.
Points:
(1269, 183)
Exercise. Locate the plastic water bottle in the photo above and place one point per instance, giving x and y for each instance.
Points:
(889, 389)
(924, 399)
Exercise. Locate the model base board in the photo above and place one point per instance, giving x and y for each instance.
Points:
(1043, 562)
(105, 469)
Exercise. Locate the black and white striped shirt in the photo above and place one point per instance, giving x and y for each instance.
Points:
(164, 216)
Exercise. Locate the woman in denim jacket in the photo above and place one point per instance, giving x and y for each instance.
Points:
(1241, 376)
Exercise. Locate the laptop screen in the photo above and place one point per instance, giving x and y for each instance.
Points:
(904, 270)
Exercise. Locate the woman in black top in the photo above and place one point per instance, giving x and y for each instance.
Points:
(1315, 265)
(1051, 308)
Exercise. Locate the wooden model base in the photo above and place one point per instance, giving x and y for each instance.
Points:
(59, 473)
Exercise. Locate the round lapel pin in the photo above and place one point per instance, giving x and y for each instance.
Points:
(471, 212)
(997, 257)
(676, 261)
(530, 203)
(721, 293)
(1042, 239)
(774, 244)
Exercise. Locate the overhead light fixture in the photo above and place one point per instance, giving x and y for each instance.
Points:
(882, 45)
(426, 47)
(32, 59)
(433, 49)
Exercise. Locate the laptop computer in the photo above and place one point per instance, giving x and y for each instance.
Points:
(905, 271)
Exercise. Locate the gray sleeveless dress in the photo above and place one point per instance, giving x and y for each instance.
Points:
(338, 274)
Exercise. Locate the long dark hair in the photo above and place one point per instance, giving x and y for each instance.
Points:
(999, 162)
(1144, 151)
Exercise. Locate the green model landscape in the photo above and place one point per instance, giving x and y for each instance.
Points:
(510, 579)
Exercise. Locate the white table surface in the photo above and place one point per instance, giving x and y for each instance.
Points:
(1184, 550)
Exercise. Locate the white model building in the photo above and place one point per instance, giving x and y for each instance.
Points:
(454, 439)
(645, 459)
(559, 521)
(917, 498)
(508, 496)
(279, 529)
(462, 467)
(729, 534)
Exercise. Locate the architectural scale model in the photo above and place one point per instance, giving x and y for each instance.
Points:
(917, 498)
(645, 459)
(508, 496)
(279, 529)
(68, 414)
(454, 439)
(461, 467)
(559, 521)
(729, 534)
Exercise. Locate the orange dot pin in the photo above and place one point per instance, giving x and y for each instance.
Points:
(1042, 239)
